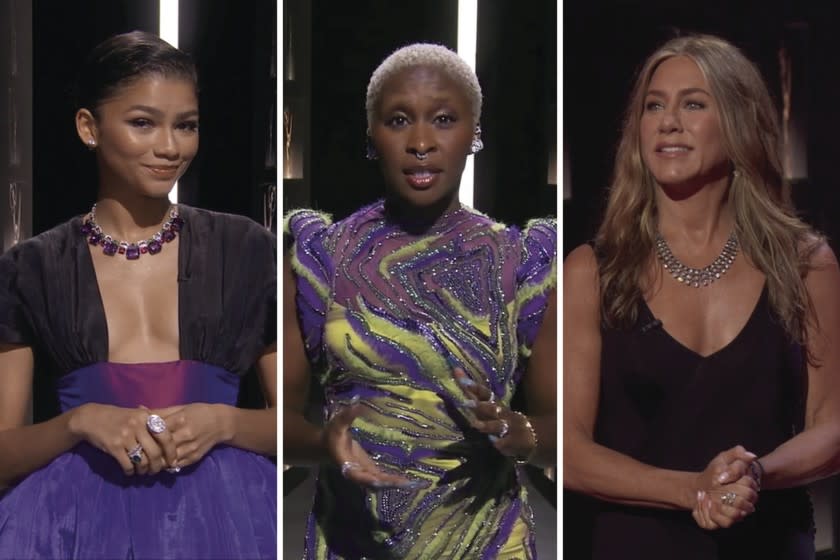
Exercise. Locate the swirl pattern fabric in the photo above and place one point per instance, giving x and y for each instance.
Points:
(387, 311)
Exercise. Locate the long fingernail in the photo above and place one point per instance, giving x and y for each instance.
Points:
(492, 438)
(699, 495)
(355, 400)
(470, 403)
(751, 455)
(410, 485)
(722, 477)
(466, 382)
(379, 484)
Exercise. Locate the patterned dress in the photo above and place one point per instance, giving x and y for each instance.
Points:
(387, 311)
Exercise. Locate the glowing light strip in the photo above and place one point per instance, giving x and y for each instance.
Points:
(467, 32)
(168, 26)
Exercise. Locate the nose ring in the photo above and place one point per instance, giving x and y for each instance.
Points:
(420, 156)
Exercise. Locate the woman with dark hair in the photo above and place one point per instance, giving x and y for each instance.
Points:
(420, 317)
(701, 382)
(143, 316)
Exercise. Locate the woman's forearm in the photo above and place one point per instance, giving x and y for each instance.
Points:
(302, 441)
(611, 476)
(28, 448)
(807, 457)
(253, 429)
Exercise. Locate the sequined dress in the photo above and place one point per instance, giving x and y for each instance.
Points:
(386, 312)
(81, 505)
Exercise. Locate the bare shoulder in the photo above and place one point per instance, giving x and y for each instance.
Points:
(581, 267)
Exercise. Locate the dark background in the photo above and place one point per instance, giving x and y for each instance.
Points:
(233, 45)
(339, 44)
(604, 45)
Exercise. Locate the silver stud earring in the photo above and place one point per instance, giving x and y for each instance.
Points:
(477, 145)
(91, 143)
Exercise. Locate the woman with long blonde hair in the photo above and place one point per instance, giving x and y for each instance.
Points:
(699, 395)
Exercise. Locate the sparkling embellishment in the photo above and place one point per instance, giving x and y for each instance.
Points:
(156, 424)
(132, 251)
(390, 309)
(697, 277)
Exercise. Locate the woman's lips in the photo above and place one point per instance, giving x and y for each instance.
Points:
(163, 172)
(421, 178)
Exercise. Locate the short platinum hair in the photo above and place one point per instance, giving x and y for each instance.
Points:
(430, 56)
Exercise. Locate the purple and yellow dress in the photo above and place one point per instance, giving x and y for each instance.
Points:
(81, 505)
(386, 312)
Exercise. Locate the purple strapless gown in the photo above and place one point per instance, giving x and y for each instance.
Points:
(81, 505)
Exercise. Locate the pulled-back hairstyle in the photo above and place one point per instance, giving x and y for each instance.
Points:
(426, 55)
(122, 59)
(770, 234)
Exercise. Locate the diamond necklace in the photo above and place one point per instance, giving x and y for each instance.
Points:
(697, 277)
(132, 251)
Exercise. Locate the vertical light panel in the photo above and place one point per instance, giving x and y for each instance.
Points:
(168, 26)
(467, 24)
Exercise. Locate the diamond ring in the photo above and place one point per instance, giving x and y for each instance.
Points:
(505, 429)
(136, 454)
(728, 499)
(346, 466)
(155, 424)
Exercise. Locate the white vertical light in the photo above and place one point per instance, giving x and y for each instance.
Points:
(467, 24)
(168, 26)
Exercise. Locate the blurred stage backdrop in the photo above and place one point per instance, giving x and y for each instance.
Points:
(795, 45)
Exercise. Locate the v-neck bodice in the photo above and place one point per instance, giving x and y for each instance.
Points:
(50, 300)
(665, 405)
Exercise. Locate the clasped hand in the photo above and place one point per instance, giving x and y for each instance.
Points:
(726, 491)
(191, 431)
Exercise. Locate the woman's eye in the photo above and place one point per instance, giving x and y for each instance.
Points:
(397, 120)
(694, 105)
(141, 123)
(653, 106)
(189, 126)
(445, 119)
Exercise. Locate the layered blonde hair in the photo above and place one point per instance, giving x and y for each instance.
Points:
(770, 234)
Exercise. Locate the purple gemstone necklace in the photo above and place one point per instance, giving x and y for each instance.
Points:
(132, 251)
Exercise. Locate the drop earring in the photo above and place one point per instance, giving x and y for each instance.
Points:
(370, 150)
(477, 144)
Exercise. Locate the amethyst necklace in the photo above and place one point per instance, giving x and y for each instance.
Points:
(132, 251)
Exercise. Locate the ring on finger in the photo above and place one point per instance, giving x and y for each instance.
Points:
(728, 498)
(505, 428)
(498, 410)
(135, 455)
(155, 424)
(346, 466)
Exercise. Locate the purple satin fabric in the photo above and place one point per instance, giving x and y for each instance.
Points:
(81, 505)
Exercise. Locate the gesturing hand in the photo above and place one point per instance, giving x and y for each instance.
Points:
(117, 431)
(726, 493)
(355, 463)
(507, 430)
(195, 428)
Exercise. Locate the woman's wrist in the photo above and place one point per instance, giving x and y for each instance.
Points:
(527, 457)
(227, 416)
(76, 422)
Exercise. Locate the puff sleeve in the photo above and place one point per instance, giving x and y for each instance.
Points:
(312, 264)
(536, 276)
(14, 326)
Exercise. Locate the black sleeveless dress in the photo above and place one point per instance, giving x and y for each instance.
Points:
(666, 405)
